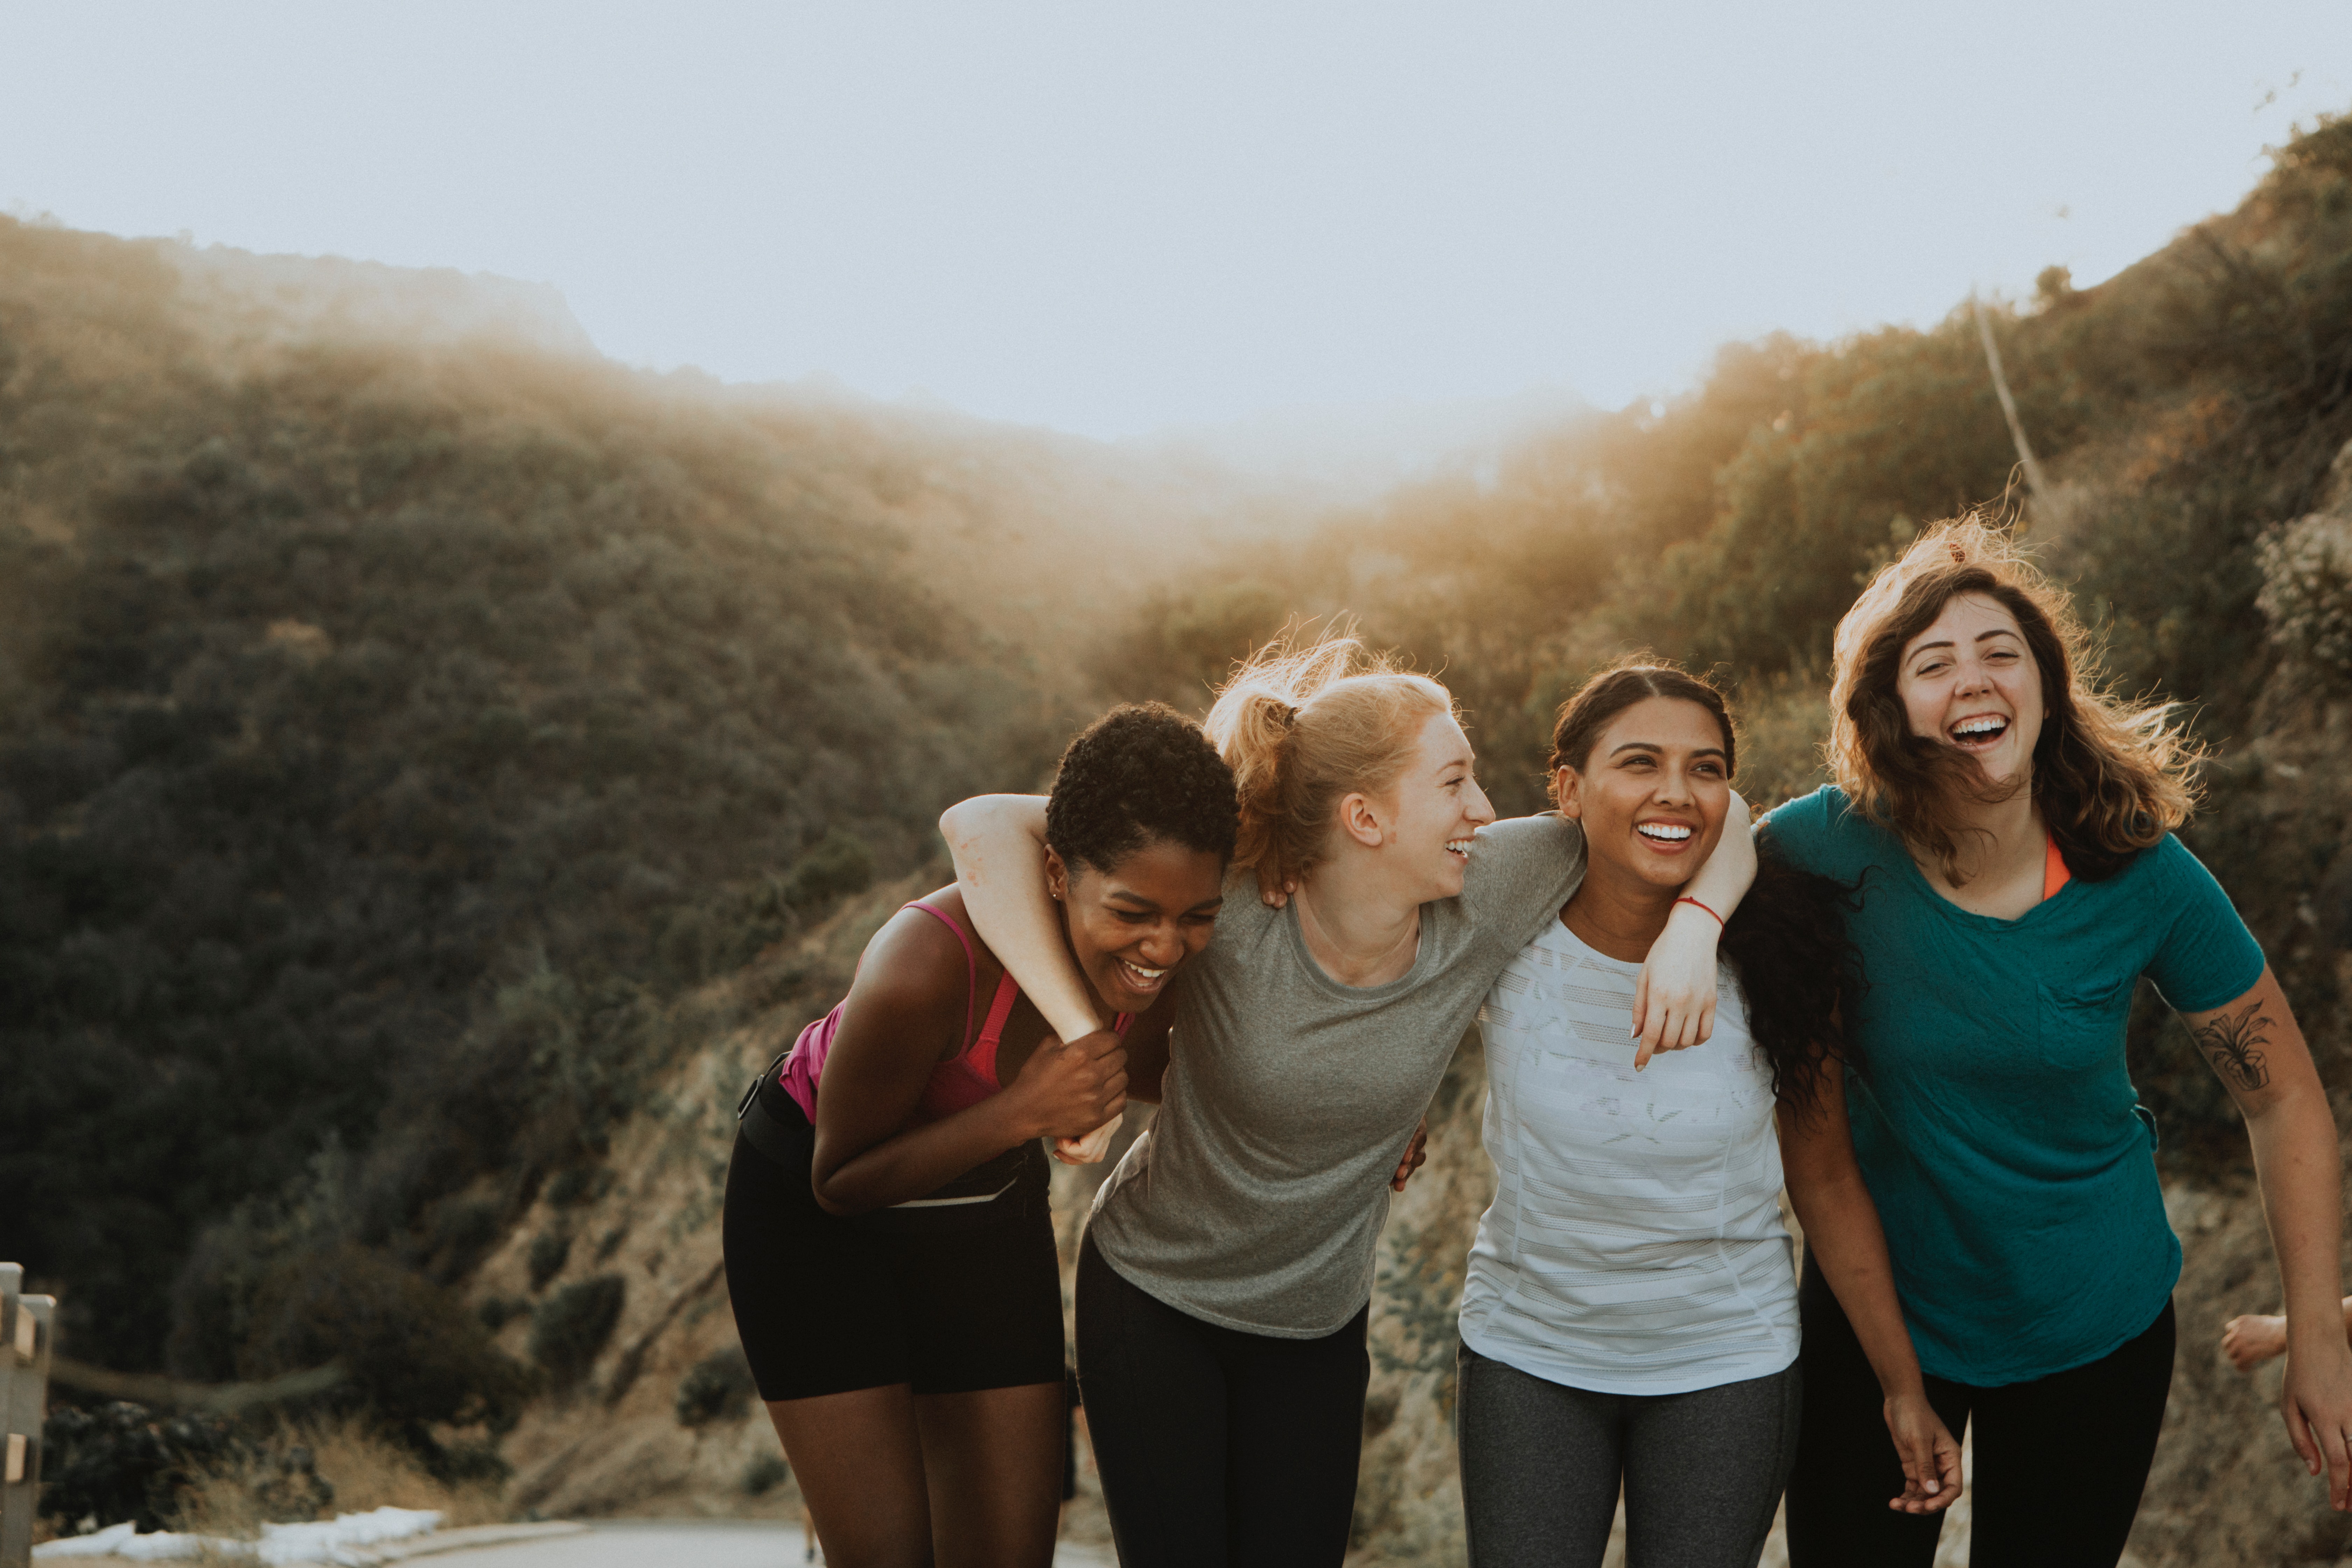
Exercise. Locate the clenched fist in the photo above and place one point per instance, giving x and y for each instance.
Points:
(1069, 1090)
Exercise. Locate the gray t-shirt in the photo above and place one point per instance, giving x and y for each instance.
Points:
(1257, 1200)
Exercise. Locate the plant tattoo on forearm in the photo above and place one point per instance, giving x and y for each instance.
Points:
(2235, 1045)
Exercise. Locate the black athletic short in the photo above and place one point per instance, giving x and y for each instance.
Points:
(948, 1301)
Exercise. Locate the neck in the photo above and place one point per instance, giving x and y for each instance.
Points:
(1999, 833)
(1617, 913)
(1361, 931)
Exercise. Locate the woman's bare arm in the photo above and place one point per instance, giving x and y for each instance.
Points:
(2255, 1048)
(1841, 1228)
(998, 845)
(905, 1010)
(1674, 1000)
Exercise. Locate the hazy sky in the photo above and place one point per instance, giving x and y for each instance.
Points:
(1113, 218)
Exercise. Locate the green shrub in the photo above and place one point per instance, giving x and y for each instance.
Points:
(764, 1473)
(720, 1387)
(571, 1327)
(549, 1250)
(836, 865)
(415, 1357)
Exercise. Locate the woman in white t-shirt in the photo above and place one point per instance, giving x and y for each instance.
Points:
(1629, 1314)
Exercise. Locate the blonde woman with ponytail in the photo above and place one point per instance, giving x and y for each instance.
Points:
(1225, 1281)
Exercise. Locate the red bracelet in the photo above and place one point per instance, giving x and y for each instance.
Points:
(1687, 899)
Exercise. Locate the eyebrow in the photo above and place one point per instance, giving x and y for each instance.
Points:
(1135, 897)
(1653, 746)
(1995, 632)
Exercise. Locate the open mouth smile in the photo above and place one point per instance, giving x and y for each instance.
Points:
(1671, 837)
(1979, 731)
(1138, 978)
(1459, 849)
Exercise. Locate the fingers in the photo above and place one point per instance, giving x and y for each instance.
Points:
(1641, 1010)
(1416, 1155)
(2299, 1433)
(1089, 1150)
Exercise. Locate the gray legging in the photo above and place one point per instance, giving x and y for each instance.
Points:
(1541, 1463)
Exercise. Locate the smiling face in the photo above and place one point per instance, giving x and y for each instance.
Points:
(1129, 928)
(1652, 792)
(1433, 811)
(1970, 682)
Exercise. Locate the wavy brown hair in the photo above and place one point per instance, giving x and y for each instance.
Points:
(2112, 777)
(1786, 939)
(1304, 724)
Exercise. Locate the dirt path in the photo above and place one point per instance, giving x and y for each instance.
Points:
(674, 1542)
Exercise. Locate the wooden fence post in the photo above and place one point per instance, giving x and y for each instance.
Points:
(25, 1335)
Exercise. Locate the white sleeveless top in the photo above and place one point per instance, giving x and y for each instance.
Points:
(1635, 1244)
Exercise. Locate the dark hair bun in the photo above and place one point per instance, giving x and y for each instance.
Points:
(1140, 774)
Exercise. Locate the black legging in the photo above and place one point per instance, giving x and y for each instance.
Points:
(1217, 1446)
(2059, 1462)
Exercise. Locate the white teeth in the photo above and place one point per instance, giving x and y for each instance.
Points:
(1672, 832)
(1459, 846)
(1985, 725)
(1147, 973)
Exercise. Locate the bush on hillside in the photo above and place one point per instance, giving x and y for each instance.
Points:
(572, 1326)
(718, 1388)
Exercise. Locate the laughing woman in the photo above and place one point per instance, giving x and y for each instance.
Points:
(2012, 825)
(1629, 1314)
(888, 1250)
(1224, 1283)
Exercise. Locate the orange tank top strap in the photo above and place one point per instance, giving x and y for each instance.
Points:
(2055, 874)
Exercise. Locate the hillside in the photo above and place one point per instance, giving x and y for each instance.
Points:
(436, 765)
(399, 705)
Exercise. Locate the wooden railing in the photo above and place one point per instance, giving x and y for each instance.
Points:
(25, 1323)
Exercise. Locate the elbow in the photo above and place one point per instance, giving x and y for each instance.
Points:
(834, 1197)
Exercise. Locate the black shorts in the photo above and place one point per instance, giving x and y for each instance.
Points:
(948, 1302)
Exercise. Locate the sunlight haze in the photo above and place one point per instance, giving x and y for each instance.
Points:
(1122, 220)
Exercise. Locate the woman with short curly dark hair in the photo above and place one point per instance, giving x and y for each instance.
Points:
(2012, 826)
(889, 1255)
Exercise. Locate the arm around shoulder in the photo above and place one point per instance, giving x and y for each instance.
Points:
(998, 842)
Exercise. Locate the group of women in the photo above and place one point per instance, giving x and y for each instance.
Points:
(1901, 1000)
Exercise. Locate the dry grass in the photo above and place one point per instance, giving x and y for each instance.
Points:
(366, 1471)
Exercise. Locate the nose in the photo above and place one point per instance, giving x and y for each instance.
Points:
(1161, 946)
(1475, 806)
(1974, 679)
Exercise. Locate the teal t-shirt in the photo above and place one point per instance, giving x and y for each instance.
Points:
(1997, 1130)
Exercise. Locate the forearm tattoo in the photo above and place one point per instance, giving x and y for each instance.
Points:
(2234, 1046)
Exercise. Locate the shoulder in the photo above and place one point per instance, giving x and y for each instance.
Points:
(1521, 838)
(1824, 832)
(914, 962)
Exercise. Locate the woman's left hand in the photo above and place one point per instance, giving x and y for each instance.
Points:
(1931, 1459)
(2316, 1403)
(1416, 1155)
(1674, 1000)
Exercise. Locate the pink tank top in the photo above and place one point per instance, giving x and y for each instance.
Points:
(963, 1079)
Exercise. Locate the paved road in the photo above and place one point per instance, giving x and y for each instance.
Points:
(676, 1544)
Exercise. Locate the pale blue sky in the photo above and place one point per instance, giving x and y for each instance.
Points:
(1118, 218)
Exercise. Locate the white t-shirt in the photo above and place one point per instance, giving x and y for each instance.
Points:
(1635, 1244)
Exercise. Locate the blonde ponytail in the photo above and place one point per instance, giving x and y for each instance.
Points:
(1304, 725)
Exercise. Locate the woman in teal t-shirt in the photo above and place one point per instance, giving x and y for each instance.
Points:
(2010, 828)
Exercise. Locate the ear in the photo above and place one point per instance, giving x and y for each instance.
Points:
(1360, 819)
(1057, 875)
(1569, 790)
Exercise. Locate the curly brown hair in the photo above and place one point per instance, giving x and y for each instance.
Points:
(2112, 777)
